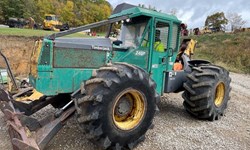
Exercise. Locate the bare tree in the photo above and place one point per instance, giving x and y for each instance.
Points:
(235, 20)
(217, 21)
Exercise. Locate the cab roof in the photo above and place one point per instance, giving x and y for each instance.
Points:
(135, 11)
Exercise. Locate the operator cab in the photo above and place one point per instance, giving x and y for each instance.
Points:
(150, 42)
(51, 18)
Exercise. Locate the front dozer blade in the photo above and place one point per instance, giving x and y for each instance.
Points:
(27, 133)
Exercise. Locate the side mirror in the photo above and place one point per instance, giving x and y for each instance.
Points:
(117, 42)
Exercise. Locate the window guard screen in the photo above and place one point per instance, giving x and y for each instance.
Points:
(161, 36)
(175, 37)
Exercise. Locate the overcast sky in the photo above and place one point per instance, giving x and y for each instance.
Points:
(194, 12)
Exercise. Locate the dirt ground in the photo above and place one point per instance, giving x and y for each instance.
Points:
(18, 51)
(174, 128)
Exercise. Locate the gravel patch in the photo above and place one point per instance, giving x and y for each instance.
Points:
(173, 127)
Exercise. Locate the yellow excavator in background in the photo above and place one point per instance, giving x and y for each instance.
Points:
(51, 22)
(206, 30)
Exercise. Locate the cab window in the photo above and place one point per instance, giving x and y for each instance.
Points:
(161, 36)
(132, 32)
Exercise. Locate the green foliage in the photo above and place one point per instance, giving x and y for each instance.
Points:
(217, 21)
(33, 33)
(231, 51)
(9, 8)
(74, 12)
(1, 15)
(67, 13)
(30, 9)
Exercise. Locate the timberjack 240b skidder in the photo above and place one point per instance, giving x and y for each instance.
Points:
(113, 86)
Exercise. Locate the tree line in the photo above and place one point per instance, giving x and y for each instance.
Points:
(81, 12)
(74, 12)
(219, 20)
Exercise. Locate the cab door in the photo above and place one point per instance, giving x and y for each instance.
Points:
(161, 50)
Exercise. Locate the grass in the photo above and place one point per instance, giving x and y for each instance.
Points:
(33, 33)
(231, 51)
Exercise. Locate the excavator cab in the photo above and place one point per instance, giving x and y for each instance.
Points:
(51, 22)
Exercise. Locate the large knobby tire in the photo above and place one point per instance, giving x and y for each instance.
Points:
(207, 92)
(118, 106)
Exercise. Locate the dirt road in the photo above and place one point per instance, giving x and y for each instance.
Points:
(174, 128)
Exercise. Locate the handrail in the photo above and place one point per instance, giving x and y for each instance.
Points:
(9, 70)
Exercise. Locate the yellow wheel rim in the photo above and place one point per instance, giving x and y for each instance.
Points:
(129, 109)
(219, 95)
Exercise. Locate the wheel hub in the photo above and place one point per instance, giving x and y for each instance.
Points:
(219, 94)
(129, 109)
(124, 107)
